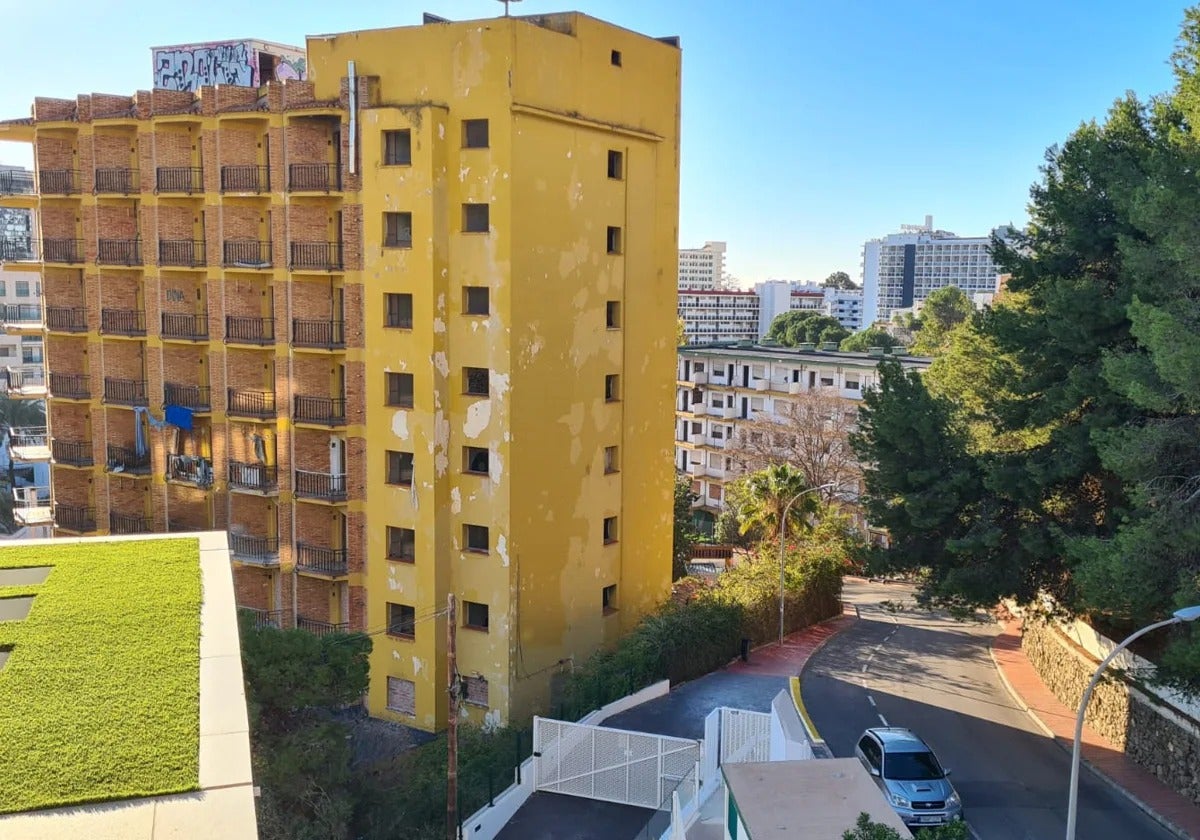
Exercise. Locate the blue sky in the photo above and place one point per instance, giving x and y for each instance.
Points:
(808, 126)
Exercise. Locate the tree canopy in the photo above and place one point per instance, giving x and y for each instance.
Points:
(839, 280)
(806, 326)
(763, 499)
(944, 310)
(864, 340)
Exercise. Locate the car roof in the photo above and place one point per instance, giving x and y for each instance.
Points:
(898, 739)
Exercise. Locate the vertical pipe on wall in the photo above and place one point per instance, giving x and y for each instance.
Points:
(352, 142)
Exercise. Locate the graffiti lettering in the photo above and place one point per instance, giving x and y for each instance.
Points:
(189, 68)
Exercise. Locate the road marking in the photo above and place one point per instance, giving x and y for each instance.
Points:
(871, 700)
(864, 667)
(883, 720)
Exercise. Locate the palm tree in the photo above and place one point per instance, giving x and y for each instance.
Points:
(18, 413)
(761, 498)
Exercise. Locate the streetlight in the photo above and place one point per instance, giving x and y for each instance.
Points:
(1179, 616)
(782, 536)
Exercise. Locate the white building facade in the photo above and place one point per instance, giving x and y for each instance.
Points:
(703, 268)
(779, 296)
(719, 315)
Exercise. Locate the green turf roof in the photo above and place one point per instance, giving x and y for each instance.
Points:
(100, 695)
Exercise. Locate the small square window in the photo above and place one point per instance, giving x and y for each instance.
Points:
(475, 691)
(475, 381)
(612, 387)
(22, 288)
(397, 230)
(475, 134)
(852, 385)
(616, 58)
(608, 599)
(400, 468)
(397, 148)
(476, 300)
(616, 164)
(399, 389)
(475, 615)
(611, 462)
(475, 460)
(610, 529)
(401, 544)
(614, 240)
(475, 538)
(475, 218)
(402, 621)
(612, 314)
(402, 695)
(398, 311)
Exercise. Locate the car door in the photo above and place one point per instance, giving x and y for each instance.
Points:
(870, 753)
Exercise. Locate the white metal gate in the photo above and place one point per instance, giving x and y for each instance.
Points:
(745, 736)
(613, 765)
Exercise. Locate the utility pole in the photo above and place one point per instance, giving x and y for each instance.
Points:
(451, 721)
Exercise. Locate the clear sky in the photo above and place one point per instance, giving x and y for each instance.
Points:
(808, 127)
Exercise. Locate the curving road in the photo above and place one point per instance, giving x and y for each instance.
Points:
(934, 675)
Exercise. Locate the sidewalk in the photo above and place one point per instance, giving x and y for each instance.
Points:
(1152, 796)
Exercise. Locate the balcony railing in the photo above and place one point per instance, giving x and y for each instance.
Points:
(321, 628)
(129, 523)
(245, 179)
(25, 380)
(119, 252)
(246, 403)
(321, 256)
(22, 313)
(116, 179)
(122, 322)
(192, 326)
(78, 518)
(18, 249)
(124, 459)
(314, 177)
(258, 478)
(330, 487)
(329, 335)
(188, 253)
(25, 440)
(246, 253)
(125, 391)
(320, 560)
(190, 469)
(69, 251)
(75, 453)
(58, 181)
(330, 411)
(262, 551)
(263, 618)
(73, 386)
(195, 397)
(16, 182)
(66, 318)
(179, 179)
(245, 330)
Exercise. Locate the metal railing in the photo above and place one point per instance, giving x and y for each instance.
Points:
(25, 379)
(321, 560)
(263, 618)
(116, 179)
(179, 179)
(327, 410)
(75, 386)
(22, 313)
(78, 518)
(320, 485)
(129, 523)
(190, 469)
(28, 436)
(259, 478)
(58, 181)
(122, 322)
(71, 452)
(252, 549)
(245, 179)
(126, 459)
(119, 252)
(18, 249)
(314, 177)
(321, 256)
(246, 253)
(247, 330)
(188, 253)
(16, 182)
(321, 628)
(68, 251)
(66, 318)
(125, 391)
(246, 403)
(192, 326)
(328, 335)
(195, 397)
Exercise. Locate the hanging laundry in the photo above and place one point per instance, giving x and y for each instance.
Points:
(178, 415)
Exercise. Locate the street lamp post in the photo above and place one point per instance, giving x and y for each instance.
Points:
(1180, 616)
(782, 539)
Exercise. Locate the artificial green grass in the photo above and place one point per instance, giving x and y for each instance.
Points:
(100, 698)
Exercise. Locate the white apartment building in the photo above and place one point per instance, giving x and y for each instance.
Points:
(719, 315)
(702, 268)
(901, 269)
(779, 296)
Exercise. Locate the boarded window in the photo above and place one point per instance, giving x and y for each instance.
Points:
(475, 691)
(402, 695)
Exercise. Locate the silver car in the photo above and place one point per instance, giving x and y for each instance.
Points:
(908, 773)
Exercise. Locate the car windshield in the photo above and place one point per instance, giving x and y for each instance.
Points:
(911, 767)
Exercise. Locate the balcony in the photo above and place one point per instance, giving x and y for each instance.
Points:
(327, 411)
(122, 322)
(314, 177)
(65, 251)
(179, 179)
(316, 256)
(183, 253)
(116, 180)
(245, 179)
(240, 329)
(190, 469)
(187, 326)
(58, 181)
(247, 403)
(321, 628)
(18, 249)
(760, 384)
(72, 453)
(78, 518)
(119, 252)
(129, 523)
(29, 444)
(253, 478)
(125, 391)
(70, 386)
(195, 397)
(26, 315)
(323, 335)
(16, 182)
(246, 253)
(25, 381)
(124, 459)
(698, 377)
(261, 551)
(32, 506)
(328, 487)
(262, 618)
(317, 560)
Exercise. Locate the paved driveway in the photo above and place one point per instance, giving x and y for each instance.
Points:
(556, 816)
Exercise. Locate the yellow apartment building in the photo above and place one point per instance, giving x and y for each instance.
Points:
(404, 328)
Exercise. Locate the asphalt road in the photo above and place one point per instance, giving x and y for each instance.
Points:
(934, 675)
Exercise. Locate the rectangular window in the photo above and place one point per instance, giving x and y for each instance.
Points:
(608, 598)
(827, 381)
(397, 148)
(475, 690)
(475, 381)
(399, 468)
(397, 230)
(610, 529)
(612, 387)
(22, 288)
(475, 615)
(611, 463)
(475, 538)
(398, 309)
(612, 314)
(476, 300)
(402, 696)
(402, 620)
(402, 544)
(616, 165)
(614, 240)
(852, 385)
(615, 58)
(7, 350)
(3, 289)
(475, 460)
(475, 218)
(399, 389)
(475, 134)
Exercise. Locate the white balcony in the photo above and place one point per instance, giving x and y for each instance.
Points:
(795, 387)
(759, 384)
(29, 444)
(696, 470)
(699, 409)
(32, 506)
(728, 412)
(699, 377)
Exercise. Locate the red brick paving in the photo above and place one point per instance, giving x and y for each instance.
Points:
(771, 661)
(1104, 757)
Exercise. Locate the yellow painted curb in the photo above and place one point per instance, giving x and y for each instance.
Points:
(794, 683)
